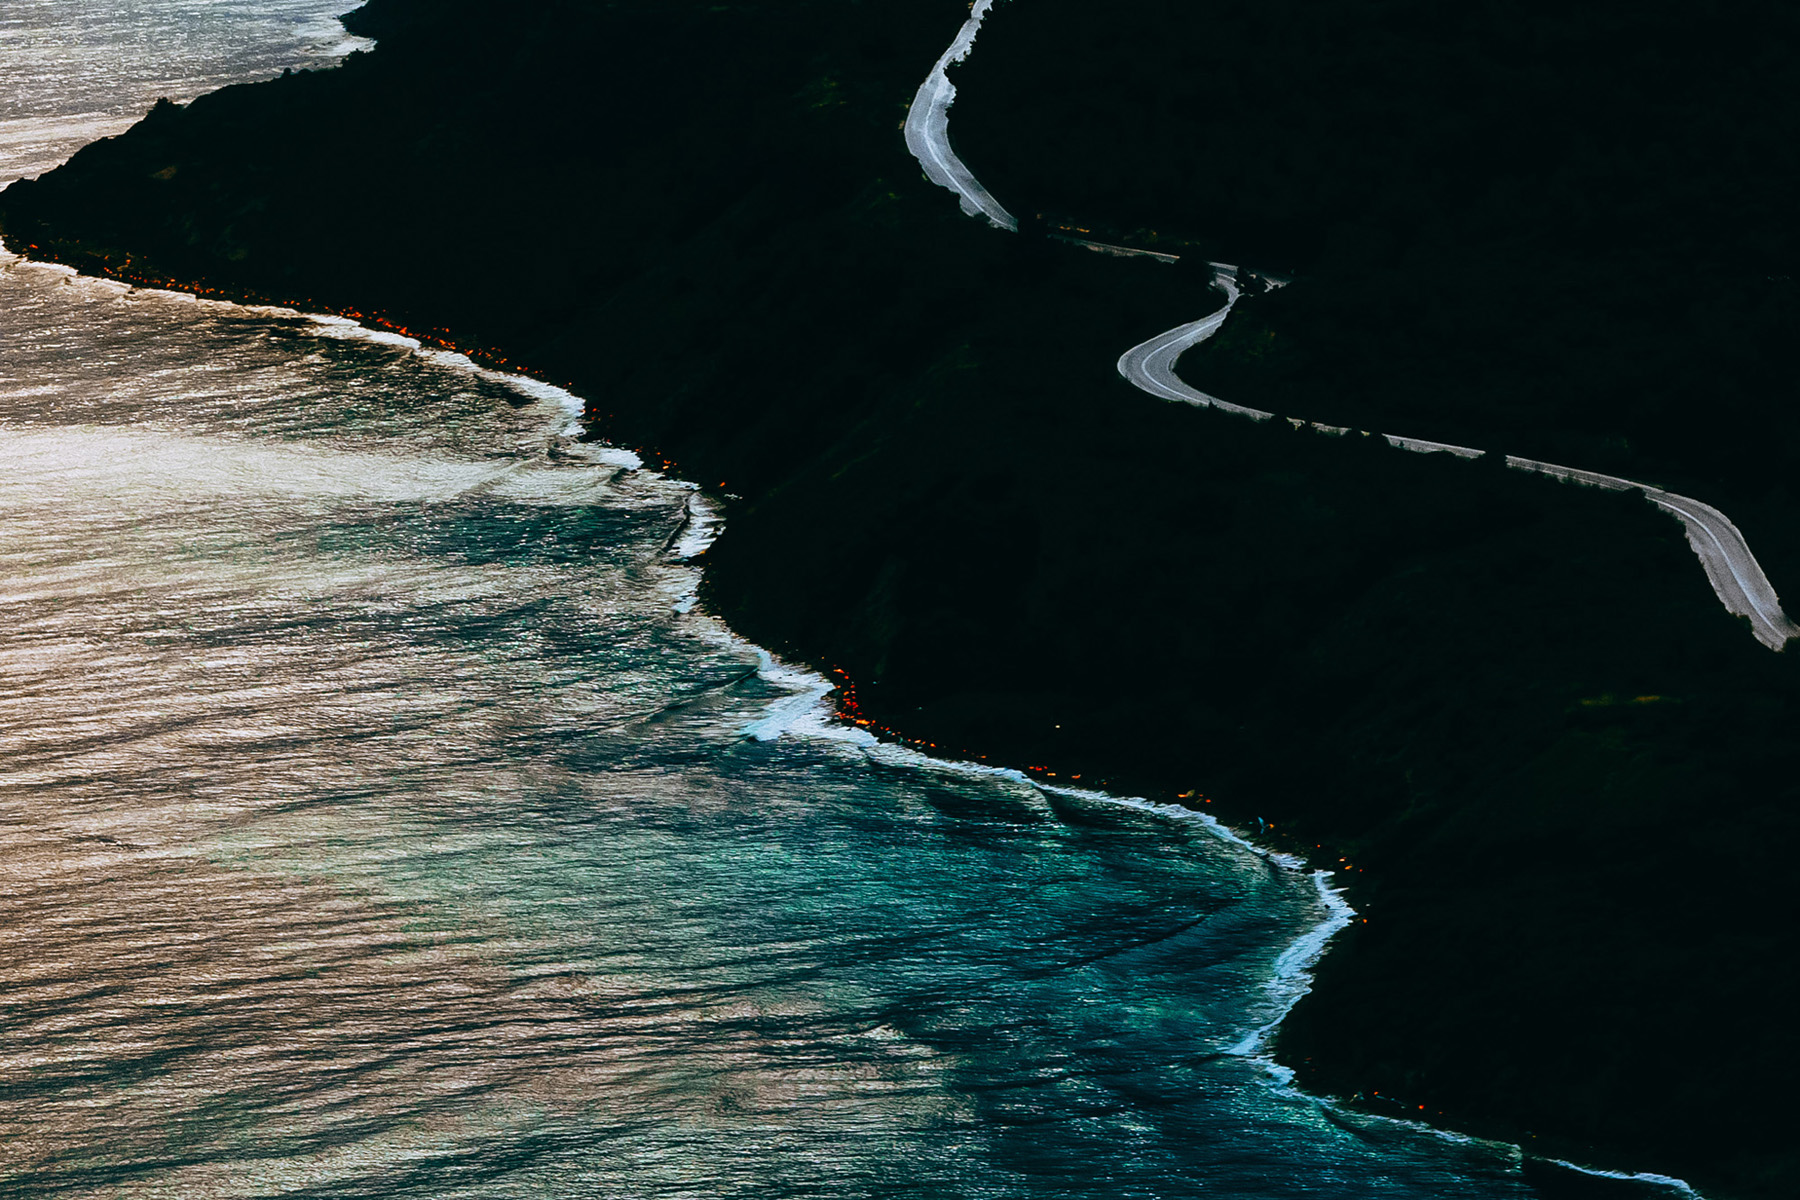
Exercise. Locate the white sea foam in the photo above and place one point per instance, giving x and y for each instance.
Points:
(1679, 1187)
(362, 333)
(330, 40)
(805, 712)
(340, 328)
(1291, 977)
(535, 389)
(705, 521)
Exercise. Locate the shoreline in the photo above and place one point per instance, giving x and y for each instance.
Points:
(816, 707)
(1293, 970)
(438, 347)
(95, 264)
(927, 139)
(837, 715)
(320, 42)
(990, 707)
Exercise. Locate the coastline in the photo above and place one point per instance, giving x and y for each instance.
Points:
(96, 264)
(821, 708)
(810, 711)
(828, 650)
(815, 707)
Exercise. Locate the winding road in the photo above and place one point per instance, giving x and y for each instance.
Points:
(1732, 569)
(928, 129)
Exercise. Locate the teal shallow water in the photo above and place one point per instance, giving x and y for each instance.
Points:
(382, 821)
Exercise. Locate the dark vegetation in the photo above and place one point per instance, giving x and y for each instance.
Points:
(1562, 778)
(1559, 229)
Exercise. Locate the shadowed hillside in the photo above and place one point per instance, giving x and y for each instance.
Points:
(1563, 780)
(1559, 230)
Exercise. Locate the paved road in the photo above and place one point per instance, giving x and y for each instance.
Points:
(1151, 365)
(928, 129)
(1736, 577)
(1732, 569)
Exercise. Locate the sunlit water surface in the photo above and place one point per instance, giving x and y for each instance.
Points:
(380, 819)
(75, 70)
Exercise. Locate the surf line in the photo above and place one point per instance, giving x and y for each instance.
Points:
(1150, 366)
(805, 711)
(1736, 577)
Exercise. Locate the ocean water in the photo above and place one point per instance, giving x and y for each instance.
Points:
(382, 819)
(75, 70)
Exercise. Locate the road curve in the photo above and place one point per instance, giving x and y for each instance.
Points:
(1730, 567)
(1151, 365)
(928, 129)
(1736, 576)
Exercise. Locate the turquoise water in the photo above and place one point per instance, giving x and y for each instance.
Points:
(382, 819)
